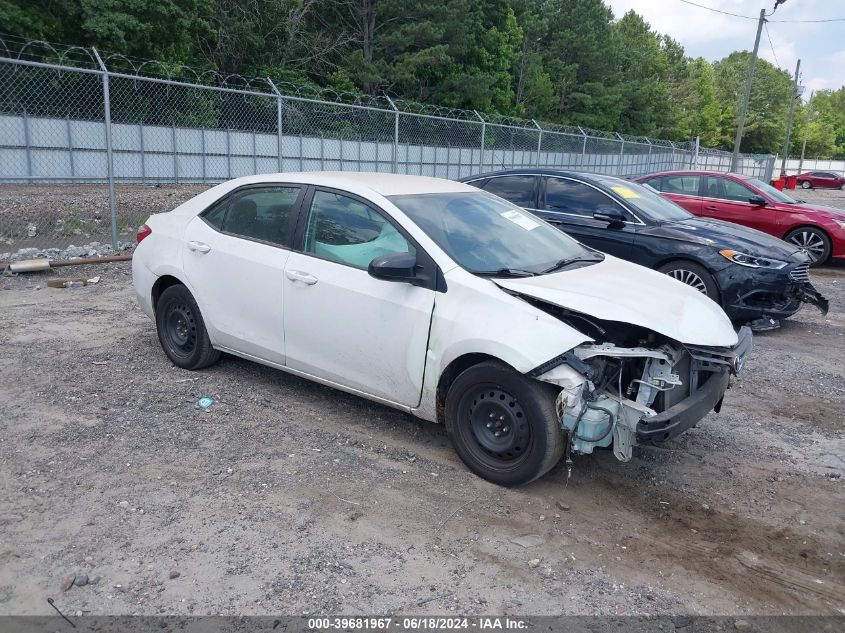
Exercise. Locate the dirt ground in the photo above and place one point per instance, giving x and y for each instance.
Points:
(287, 497)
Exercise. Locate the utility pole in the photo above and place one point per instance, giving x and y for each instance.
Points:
(794, 96)
(749, 76)
(806, 132)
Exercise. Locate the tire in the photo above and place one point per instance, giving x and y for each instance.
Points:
(805, 184)
(812, 241)
(491, 398)
(842, 188)
(181, 330)
(692, 275)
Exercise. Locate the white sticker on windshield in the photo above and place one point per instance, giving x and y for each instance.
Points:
(521, 219)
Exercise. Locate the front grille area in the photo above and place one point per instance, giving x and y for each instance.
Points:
(800, 273)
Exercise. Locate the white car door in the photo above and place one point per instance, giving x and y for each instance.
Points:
(341, 324)
(234, 259)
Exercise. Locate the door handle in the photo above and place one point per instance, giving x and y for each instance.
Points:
(712, 207)
(198, 247)
(298, 275)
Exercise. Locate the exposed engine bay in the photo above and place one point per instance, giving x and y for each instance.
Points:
(634, 386)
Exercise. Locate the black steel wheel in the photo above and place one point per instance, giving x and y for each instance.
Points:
(503, 425)
(181, 330)
(812, 241)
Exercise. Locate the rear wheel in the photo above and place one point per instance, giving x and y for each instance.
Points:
(692, 275)
(812, 241)
(805, 184)
(503, 425)
(181, 330)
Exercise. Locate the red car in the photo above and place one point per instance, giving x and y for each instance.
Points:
(821, 180)
(817, 229)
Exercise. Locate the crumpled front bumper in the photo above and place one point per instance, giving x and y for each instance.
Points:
(751, 293)
(685, 414)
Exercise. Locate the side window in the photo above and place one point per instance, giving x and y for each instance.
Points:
(350, 232)
(570, 196)
(687, 185)
(516, 189)
(655, 183)
(737, 191)
(261, 213)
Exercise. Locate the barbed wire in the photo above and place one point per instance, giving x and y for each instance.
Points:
(72, 56)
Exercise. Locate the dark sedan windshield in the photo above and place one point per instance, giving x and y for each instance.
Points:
(487, 235)
(645, 201)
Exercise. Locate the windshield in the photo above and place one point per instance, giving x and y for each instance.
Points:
(645, 200)
(485, 234)
(774, 194)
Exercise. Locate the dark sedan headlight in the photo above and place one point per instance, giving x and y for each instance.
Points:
(744, 259)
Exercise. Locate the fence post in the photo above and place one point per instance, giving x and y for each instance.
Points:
(279, 133)
(175, 157)
(621, 152)
(70, 146)
(395, 134)
(673, 154)
(583, 148)
(647, 140)
(539, 142)
(26, 144)
(694, 158)
(483, 133)
(141, 147)
(109, 154)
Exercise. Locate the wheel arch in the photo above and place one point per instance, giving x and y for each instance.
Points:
(453, 370)
(692, 260)
(805, 225)
(163, 283)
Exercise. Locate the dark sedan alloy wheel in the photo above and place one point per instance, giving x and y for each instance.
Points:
(689, 278)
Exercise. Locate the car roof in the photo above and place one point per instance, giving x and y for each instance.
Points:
(543, 171)
(385, 184)
(696, 172)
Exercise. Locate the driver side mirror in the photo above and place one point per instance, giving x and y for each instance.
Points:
(395, 267)
(758, 201)
(614, 218)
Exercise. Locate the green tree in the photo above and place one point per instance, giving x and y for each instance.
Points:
(765, 125)
(642, 71)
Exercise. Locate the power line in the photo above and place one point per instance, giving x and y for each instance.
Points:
(769, 37)
(735, 15)
(750, 17)
(809, 21)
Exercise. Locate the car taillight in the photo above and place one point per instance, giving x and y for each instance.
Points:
(143, 232)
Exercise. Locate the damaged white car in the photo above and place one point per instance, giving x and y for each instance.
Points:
(444, 301)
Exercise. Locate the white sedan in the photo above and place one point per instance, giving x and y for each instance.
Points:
(441, 300)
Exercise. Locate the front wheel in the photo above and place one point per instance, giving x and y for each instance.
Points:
(812, 241)
(805, 184)
(692, 275)
(181, 330)
(503, 425)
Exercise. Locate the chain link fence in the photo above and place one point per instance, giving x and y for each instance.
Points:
(90, 146)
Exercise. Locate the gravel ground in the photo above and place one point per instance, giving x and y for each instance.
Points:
(47, 216)
(289, 497)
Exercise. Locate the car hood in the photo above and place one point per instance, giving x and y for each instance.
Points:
(616, 290)
(719, 234)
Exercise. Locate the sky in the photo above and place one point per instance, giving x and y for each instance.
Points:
(703, 33)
